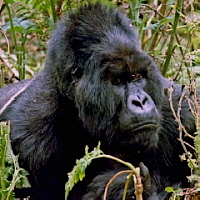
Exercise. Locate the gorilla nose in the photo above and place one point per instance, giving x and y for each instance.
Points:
(140, 103)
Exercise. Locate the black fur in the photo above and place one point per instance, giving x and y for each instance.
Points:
(97, 84)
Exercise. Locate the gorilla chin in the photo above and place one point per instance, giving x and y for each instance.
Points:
(143, 129)
(148, 131)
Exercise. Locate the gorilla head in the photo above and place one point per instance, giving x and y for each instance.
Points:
(115, 86)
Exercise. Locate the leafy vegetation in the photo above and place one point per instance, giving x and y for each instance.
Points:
(11, 174)
(78, 172)
(168, 31)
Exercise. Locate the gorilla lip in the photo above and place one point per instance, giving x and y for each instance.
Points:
(145, 125)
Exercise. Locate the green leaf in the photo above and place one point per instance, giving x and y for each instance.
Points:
(152, 26)
(10, 1)
(159, 23)
(78, 172)
(166, 20)
(169, 189)
(20, 24)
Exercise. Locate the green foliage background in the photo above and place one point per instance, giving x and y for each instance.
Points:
(168, 31)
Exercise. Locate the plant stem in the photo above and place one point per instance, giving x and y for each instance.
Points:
(134, 14)
(111, 181)
(53, 11)
(12, 28)
(197, 145)
(129, 178)
(170, 47)
(129, 165)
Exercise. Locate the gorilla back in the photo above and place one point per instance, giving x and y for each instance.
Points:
(97, 85)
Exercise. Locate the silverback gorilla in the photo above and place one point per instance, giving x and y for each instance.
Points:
(97, 85)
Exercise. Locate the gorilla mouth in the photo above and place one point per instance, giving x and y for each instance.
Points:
(145, 125)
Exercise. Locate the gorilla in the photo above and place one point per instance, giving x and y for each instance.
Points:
(97, 85)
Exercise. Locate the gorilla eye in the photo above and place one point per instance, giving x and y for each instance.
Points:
(76, 74)
(117, 81)
(136, 77)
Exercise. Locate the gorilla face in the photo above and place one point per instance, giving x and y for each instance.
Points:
(115, 86)
(120, 99)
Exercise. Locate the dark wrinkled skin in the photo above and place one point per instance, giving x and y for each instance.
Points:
(97, 85)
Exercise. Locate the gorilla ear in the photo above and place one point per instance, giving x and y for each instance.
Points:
(76, 74)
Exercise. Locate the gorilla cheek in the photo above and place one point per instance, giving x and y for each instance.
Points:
(96, 107)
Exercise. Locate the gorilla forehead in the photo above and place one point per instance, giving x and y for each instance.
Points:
(115, 41)
(115, 45)
(120, 61)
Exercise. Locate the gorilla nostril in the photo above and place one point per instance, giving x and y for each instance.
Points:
(144, 101)
(136, 103)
